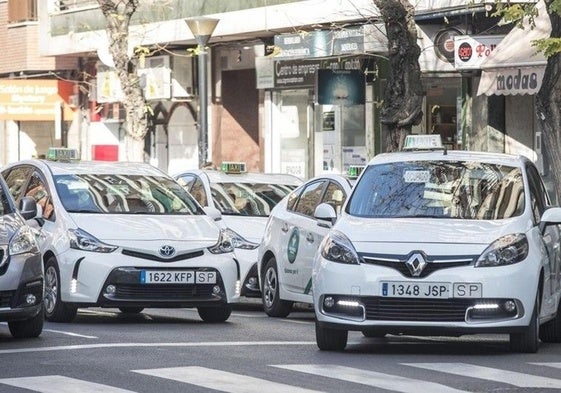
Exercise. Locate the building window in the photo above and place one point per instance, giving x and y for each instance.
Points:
(22, 11)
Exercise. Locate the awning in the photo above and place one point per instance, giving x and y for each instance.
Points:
(515, 66)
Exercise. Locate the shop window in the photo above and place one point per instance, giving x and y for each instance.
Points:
(22, 11)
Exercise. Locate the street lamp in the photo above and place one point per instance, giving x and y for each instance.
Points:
(202, 29)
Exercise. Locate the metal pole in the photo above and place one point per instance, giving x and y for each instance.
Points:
(203, 106)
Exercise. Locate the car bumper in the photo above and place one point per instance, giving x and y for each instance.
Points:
(356, 292)
(114, 280)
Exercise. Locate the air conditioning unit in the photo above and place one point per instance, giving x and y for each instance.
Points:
(182, 76)
(156, 78)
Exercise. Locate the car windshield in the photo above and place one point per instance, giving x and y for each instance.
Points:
(248, 199)
(441, 189)
(124, 194)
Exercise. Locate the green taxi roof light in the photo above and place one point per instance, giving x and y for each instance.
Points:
(233, 167)
(355, 171)
(423, 142)
(62, 154)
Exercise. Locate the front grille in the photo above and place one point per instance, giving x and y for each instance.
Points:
(6, 298)
(163, 292)
(433, 264)
(421, 310)
(151, 257)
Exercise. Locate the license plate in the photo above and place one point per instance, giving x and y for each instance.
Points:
(177, 277)
(434, 290)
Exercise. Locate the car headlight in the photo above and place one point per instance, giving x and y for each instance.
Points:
(224, 244)
(336, 247)
(507, 250)
(23, 241)
(82, 240)
(238, 241)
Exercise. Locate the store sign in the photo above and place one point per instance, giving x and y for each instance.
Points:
(340, 87)
(35, 99)
(471, 51)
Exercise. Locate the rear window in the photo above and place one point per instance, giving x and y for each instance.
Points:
(441, 189)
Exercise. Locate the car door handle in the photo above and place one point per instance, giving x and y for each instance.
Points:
(285, 228)
(310, 237)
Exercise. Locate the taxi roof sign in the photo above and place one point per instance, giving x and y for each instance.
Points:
(233, 167)
(355, 171)
(423, 142)
(62, 154)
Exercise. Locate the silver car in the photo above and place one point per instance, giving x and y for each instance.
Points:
(21, 271)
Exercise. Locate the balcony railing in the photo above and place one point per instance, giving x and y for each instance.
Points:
(22, 11)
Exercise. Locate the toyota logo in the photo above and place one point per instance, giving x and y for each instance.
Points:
(167, 251)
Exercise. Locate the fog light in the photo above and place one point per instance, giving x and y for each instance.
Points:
(328, 302)
(509, 306)
(30, 299)
(110, 289)
(216, 289)
(252, 281)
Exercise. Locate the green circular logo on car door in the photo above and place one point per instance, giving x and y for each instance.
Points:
(292, 249)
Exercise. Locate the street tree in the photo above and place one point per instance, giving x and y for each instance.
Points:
(403, 96)
(118, 14)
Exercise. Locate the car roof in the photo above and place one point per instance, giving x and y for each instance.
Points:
(94, 167)
(215, 176)
(450, 155)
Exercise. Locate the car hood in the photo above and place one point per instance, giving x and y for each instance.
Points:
(8, 225)
(250, 228)
(140, 227)
(428, 230)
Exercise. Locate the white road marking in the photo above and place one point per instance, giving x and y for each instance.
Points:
(68, 333)
(151, 345)
(391, 382)
(521, 380)
(60, 384)
(222, 380)
(553, 365)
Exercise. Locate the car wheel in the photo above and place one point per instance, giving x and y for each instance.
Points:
(273, 305)
(55, 309)
(28, 328)
(529, 340)
(331, 339)
(371, 334)
(131, 310)
(215, 314)
(550, 332)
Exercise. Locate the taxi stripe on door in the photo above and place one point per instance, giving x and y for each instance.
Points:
(390, 382)
(222, 380)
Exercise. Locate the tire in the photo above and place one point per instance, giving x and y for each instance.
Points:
(331, 339)
(273, 305)
(371, 334)
(550, 332)
(55, 309)
(131, 310)
(529, 340)
(29, 328)
(215, 314)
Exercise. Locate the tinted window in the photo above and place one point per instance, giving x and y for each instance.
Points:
(469, 190)
(195, 186)
(5, 206)
(17, 179)
(38, 190)
(335, 196)
(310, 198)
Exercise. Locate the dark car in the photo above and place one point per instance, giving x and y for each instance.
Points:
(21, 271)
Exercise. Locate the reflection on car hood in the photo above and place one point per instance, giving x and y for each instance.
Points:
(9, 223)
(427, 230)
(250, 228)
(109, 228)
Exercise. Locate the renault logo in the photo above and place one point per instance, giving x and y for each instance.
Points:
(416, 263)
(167, 251)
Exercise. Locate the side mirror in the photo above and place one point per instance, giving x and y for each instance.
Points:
(325, 215)
(213, 213)
(28, 208)
(550, 216)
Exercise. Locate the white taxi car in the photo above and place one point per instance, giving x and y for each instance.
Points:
(127, 236)
(245, 201)
(291, 238)
(436, 242)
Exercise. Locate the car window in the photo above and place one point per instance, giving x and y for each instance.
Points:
(310, 198)
(538, 195)
(194, 185)
(38, 190)
(335, 196)
(5, 207)
(17, 178)
(448, 189)
(124, 194)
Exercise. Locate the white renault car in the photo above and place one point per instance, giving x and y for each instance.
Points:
(436, 242)
(245, 200)
(127, 236)
(291, 239)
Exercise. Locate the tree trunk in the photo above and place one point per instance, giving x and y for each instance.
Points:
(118, 15)
(403, 96)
